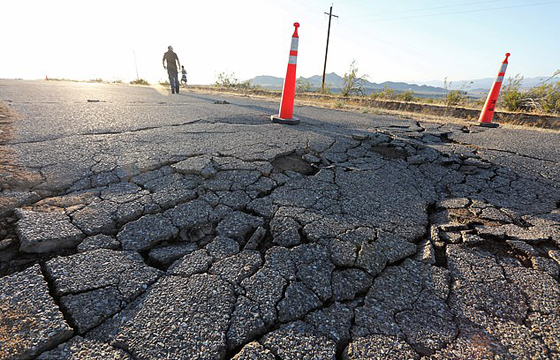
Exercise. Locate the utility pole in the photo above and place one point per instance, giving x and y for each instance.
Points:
(135, 64)
(327, 51)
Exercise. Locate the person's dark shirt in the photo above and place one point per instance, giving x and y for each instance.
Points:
(171, 59)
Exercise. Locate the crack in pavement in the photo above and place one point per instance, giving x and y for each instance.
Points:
(521, 155)
(368, 222)
(123, 132)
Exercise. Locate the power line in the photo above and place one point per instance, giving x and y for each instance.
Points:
(427, 9)
(463, 11)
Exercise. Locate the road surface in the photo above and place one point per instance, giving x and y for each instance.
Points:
(136, 224)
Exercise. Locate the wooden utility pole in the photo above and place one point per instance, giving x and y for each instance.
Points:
(135, 64)
(327, 51)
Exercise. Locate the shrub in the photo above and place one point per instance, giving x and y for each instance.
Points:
(387, 93)
(542, 98)
(512, 97)
(231, 81)
(326, 90)
(455, 97)
(139, 82)
(165, 83)
(352, 84)
(407, 96)
(303, 85)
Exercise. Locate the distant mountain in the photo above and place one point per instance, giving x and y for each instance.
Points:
(267, 81)
(484, 84)
(335, 82)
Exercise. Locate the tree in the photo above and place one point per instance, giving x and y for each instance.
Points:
(352, 84)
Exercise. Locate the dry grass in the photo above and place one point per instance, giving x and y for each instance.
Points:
(414, 111)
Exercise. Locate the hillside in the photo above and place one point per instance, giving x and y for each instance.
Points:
(335, 82)
(482, 84)
(475, 88)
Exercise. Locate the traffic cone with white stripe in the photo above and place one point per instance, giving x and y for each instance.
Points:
(490, 105)
(288, 92)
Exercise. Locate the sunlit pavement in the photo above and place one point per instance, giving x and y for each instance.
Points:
(145, 225)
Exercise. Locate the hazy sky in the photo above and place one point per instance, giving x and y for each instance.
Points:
(400, 40)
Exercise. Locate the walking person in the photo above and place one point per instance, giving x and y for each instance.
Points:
(184, 77)
(172, 65)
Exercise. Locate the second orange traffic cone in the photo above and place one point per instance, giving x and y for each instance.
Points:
(490, 105)
(288, 92)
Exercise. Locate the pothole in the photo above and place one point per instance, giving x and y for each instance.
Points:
(501, 249)
(293, 162)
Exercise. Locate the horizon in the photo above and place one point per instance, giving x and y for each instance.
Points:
(534, 78)
(413, 41)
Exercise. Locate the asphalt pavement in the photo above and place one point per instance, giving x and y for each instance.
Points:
(138, 224)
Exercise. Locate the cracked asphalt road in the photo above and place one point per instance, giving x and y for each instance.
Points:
(151, 226)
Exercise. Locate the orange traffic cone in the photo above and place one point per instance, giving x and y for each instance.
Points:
(490, 105)
(287, 104)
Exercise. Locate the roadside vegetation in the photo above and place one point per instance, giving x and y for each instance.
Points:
(455, 97)
(139, 82)
(543, 98)
(352, 83)
(303, 86)
(229, 80)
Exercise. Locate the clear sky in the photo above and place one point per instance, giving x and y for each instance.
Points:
(402, 40)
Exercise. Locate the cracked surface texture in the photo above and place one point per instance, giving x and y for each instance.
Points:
(151, 226)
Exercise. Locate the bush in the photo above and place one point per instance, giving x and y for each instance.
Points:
(352, 84)
(512, 97)
(455, 97)
(326, 90)
(303, 85)
(226, 80)
(407, 96)
(387, 93)
(230, 81)
(98, 80)
(139, 82)
(542, 98)
(165, 83)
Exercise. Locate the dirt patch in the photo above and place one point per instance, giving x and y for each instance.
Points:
(7, 116)
(390, 153)
(12, 177)
(294, 163)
